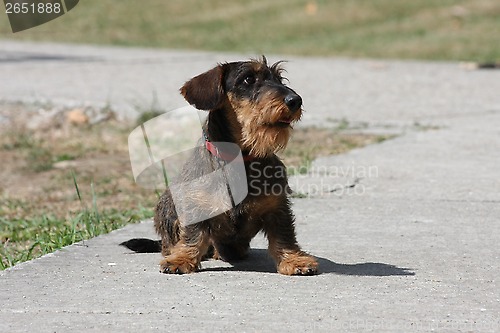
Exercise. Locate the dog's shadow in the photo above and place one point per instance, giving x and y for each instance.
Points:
(258, 260)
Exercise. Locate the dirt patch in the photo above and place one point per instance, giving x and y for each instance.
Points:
(44, 150)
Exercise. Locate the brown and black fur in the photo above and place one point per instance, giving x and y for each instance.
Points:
(249, 105)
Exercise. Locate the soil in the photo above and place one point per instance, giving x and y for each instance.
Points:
(43, 151)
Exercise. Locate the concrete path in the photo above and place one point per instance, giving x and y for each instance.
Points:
(406, 231)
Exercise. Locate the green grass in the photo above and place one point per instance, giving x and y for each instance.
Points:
(27, 237)
(23, 239)
(417, 29)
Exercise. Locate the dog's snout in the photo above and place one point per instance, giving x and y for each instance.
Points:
(293, 101)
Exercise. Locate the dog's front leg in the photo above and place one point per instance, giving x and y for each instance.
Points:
(186, 255)
(283, 247)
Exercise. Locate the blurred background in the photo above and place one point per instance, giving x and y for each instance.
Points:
(464, 30)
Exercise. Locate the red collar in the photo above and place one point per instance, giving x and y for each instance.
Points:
(214, 150)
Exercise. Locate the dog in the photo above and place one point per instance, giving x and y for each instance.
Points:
(250, 106)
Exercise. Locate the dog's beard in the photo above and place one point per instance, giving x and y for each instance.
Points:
(265, 140)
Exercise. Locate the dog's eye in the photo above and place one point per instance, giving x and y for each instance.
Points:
(249, 80)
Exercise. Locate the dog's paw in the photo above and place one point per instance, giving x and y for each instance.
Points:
(177, 266)
(298, 264)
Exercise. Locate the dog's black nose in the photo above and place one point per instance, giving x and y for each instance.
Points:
(293, 101)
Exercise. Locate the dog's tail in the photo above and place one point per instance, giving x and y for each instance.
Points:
(143, 245)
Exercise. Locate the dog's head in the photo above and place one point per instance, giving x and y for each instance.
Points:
(254, 98)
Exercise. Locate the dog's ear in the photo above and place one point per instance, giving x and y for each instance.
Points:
(205, 91)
